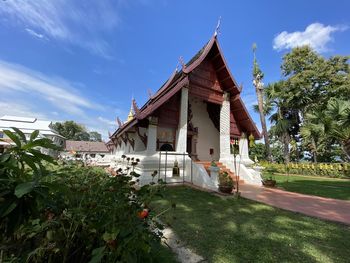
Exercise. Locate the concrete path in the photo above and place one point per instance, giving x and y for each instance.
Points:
(324, 208)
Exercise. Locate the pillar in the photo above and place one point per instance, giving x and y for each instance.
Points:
(181, 142)
(244, 150)
(152, 135)
(225, 127)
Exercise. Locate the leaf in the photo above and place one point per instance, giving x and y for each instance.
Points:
(4, 211)
(34, 135)
(42, 156)
(42, 142)
(20, 133)
(30, 162)
(13, 137)
(24, 188)
(97, 255)
(4, 157)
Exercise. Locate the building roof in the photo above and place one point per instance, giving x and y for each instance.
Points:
(27, 125)
(181, 78)
(86, 146)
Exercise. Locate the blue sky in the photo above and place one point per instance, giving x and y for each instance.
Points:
(84, 60)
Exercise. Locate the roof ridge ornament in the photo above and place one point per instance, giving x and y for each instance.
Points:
(119, 122)
(182, 62)
(149, 91)
(217, 29)
(135, 107)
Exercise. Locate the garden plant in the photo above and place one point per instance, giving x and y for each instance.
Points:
(66, 212)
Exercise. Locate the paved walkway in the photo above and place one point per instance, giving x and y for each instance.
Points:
(324, 208)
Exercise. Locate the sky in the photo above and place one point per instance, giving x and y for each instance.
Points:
(85, 60)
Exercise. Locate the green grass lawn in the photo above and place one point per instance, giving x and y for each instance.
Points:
(320, 186)
(230, 230)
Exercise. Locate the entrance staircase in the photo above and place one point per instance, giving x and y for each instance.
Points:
(222, 167)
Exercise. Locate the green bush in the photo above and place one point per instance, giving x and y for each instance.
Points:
(337, 170)
(72, 213)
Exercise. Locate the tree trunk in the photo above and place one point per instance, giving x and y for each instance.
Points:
(346, 148)
(260, 96)
(314, 150)
(286, 153)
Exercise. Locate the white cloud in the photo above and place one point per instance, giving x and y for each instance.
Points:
(35, 34)
(106, 121)
(72, 21)
(316, 35)
(58, 92)
(18, 109)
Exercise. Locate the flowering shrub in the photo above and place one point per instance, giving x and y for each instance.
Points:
(313, 169)
(77, 214)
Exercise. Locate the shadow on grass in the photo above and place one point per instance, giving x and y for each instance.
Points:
(338, 189)
(231, 230)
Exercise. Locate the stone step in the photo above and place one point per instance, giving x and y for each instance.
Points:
(222, 167)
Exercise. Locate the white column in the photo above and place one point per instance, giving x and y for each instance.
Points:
(225, 128)
(244, 150)
(181, 142)
(152, 135)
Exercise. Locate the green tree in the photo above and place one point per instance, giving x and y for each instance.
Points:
(284, 120)
(95, 136)
(311, 80)
(77, 132)
(68, 129)
(257, 151)
(339, 112)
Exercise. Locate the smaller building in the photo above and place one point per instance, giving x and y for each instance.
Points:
(27, 126)
(85, 150)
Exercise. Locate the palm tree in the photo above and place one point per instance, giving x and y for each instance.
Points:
(339, 112)
(323, 126)
(284, 120)
(259, 88)
(313, 132)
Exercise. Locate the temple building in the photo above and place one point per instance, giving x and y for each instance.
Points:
(198, 111)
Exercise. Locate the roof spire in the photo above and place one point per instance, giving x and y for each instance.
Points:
(131, 113)
(217, 29)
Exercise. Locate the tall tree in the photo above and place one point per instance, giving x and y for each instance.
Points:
(259, 88)
(68, 129)
(285, 119)
(95, 136)
(309, 82)
(74, 131)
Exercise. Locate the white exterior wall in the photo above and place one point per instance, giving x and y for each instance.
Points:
(208, 135)
(139, 146)
(151, 139)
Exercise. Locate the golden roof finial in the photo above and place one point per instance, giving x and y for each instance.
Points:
(131, 113)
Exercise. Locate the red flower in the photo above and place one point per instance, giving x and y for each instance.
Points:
(143, 214)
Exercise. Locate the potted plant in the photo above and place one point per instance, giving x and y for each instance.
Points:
(225, 183)
(269, 182)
